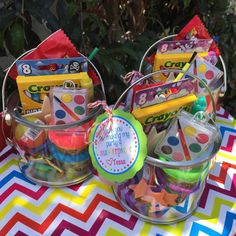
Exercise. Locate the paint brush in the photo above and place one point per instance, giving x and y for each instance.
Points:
(183, 142)
(195, 73)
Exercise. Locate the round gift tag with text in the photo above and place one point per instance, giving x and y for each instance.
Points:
(121, 153)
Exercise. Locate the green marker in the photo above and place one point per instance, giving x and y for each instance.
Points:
(93, 53)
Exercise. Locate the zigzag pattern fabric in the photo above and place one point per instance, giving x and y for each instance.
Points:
(91, 209)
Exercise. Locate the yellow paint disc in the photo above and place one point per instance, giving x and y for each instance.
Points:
(67, 98)
(190, 131)
(202, 68)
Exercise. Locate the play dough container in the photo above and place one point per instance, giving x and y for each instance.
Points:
(51, 152)
(168, 188)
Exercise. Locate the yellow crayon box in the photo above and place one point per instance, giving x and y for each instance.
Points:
(32, 89)
(171, 61)
(164, 111)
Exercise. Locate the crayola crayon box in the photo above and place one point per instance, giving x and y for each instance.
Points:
(171, 61)
(32, 89)
(164, 111)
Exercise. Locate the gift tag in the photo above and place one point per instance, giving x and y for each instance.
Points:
(121, 153)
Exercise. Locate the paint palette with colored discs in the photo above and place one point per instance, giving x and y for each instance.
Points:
(68, 105)
(205, 71)
(186, 138)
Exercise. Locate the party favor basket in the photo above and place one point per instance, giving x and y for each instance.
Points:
(52, 154)
(169, 186)
(218, 89)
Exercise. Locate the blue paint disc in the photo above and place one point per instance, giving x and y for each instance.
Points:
(60, 114)
(172, 140)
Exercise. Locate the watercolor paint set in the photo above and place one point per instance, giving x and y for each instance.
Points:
(205, 71)
(186, 138)
(68, 105)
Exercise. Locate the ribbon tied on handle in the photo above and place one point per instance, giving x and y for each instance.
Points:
(128, 78)
(106, 125)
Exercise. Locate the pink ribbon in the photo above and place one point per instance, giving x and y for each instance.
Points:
(129, 76)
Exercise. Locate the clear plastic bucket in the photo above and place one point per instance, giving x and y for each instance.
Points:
(51, 155)
(165, 192)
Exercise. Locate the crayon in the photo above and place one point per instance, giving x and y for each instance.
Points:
(186, 67)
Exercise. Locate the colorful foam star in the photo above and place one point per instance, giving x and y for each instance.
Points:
(140, 189)
(164, 198)
(158, 196)
(170, 198)
(155, 205)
